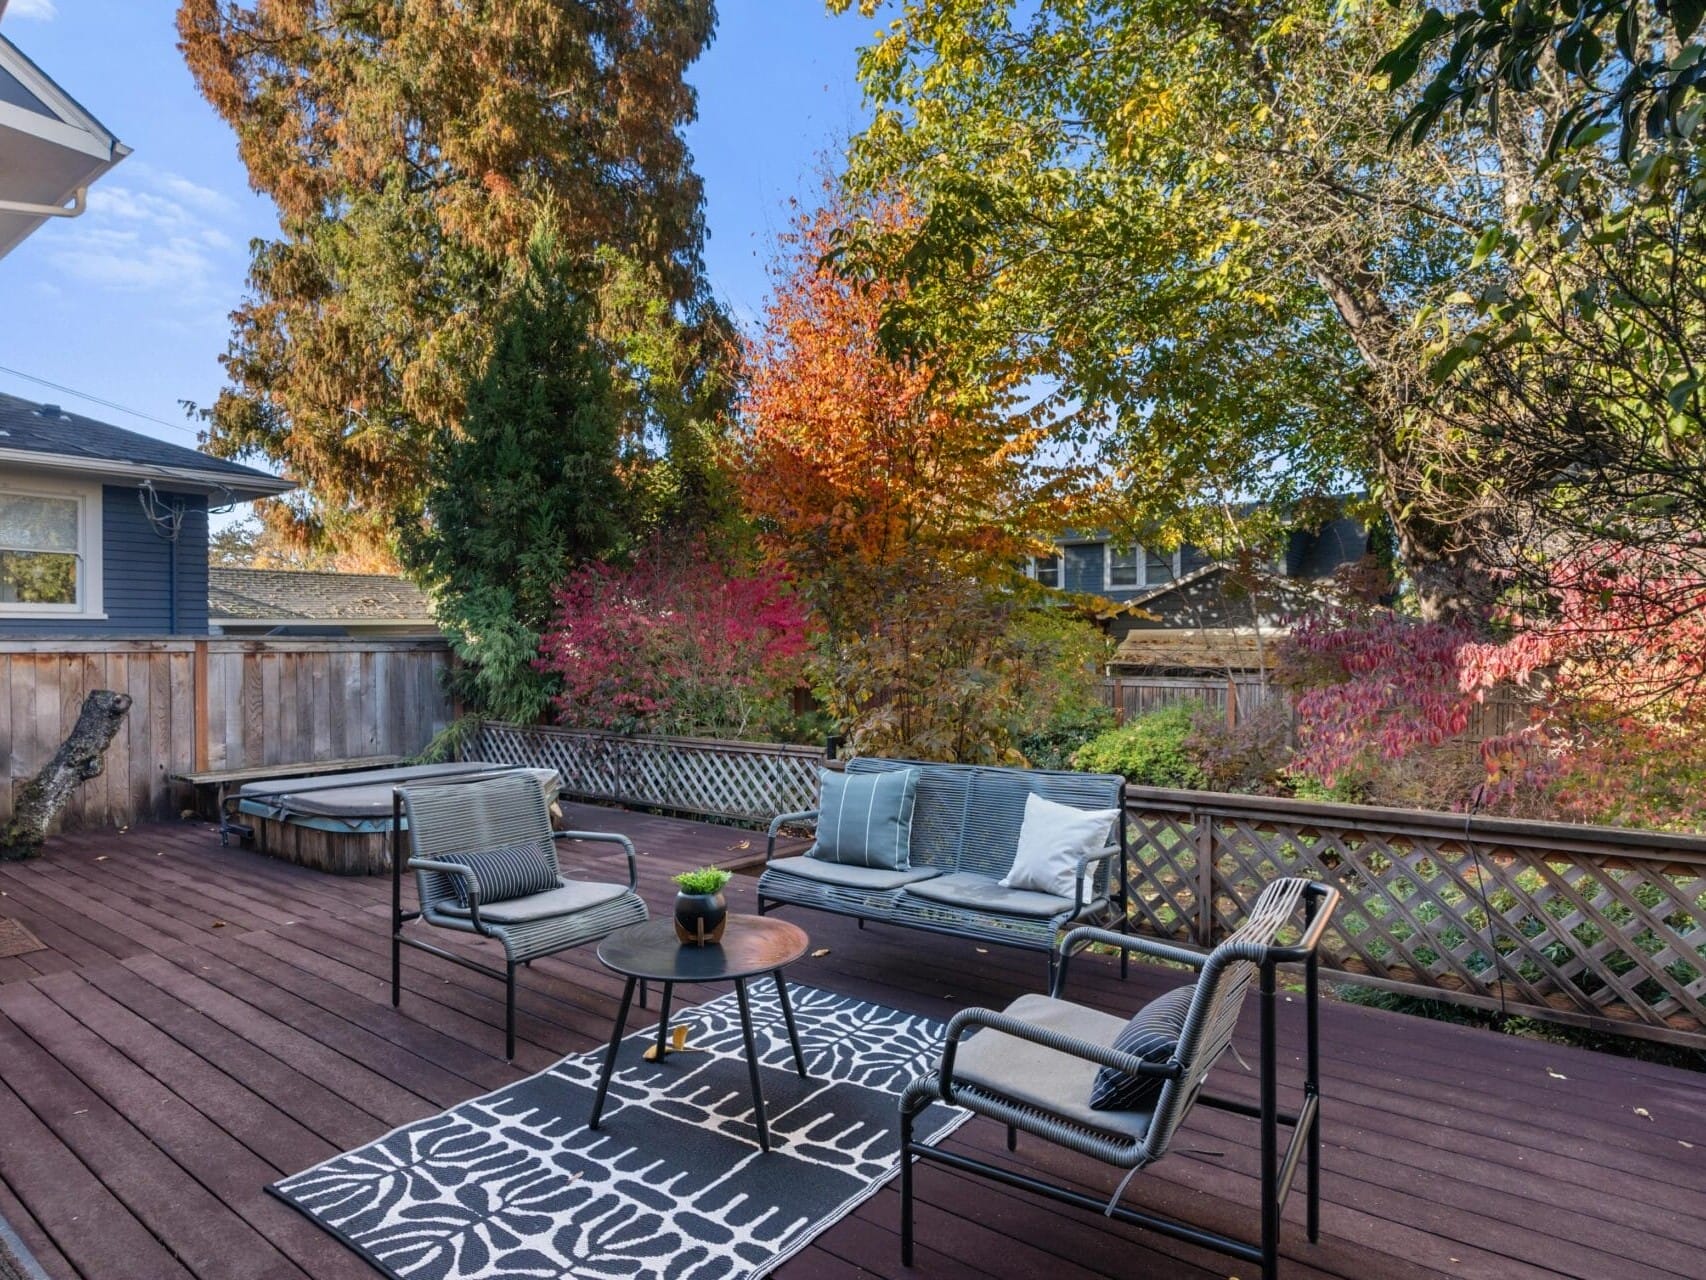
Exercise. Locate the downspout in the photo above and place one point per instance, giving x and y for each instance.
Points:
(79, 203)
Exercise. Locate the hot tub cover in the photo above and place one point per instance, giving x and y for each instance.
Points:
(367, 794)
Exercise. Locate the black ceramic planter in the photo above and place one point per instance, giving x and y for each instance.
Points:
(700, 917)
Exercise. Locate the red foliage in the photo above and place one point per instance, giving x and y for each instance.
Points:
(674, 643)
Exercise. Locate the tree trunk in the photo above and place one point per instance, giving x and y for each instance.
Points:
(79, 758)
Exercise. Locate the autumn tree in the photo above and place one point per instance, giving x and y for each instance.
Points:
(411, 150)
(1184, 220)
(899, 498)
(527, 492)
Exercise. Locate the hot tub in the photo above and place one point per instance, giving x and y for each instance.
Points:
(341, 822)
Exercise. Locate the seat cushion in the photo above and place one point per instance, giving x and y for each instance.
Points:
(980, 893)
(1052, 840)
(1153, 1035)
(1047, 1079)
(875, 879)
(514, 871)
(565, 897)
(865, 819)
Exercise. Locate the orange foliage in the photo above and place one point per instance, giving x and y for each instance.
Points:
(868, 473)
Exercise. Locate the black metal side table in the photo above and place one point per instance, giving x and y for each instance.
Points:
(751, 947)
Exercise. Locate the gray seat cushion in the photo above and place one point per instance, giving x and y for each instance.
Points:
(843, 876)
(567, 898)
(980, 893)
(1047, 1079)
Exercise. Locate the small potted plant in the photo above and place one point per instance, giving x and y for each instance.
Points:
(700, 908)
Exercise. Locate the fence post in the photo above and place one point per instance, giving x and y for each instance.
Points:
(1204, 823)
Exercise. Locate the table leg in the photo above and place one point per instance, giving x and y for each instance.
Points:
(752, 1065)
(663, 1022)
(610, 1056)
(788, 1017)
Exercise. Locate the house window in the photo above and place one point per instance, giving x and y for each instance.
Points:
(49, 551)
(1160, 567)
(1046, 569)
(1124, 566)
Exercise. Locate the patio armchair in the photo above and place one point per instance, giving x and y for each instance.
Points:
(1035, 1065)
(458, 831)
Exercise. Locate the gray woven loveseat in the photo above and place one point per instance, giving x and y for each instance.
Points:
(965, 829)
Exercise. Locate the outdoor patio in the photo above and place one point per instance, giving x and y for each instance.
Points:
(205, 1020)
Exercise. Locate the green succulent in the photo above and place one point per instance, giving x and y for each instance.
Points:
(706, 880)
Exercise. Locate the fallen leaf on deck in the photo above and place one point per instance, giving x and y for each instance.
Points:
(219, 924)
(100, 857)
(678, 1038)
(744, 844)
(1556, 1075)
(982, 951)
(1642, 1111)
(821, 951)
(1681, 1143)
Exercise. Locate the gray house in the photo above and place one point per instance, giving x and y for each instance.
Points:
(103, 531)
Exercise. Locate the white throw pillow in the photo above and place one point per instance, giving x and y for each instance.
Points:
(1051, 840)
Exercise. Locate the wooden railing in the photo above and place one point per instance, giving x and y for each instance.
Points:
(1591, 926)
(213, 704)
(753, 781)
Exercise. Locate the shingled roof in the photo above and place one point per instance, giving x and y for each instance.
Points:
(46, 435)
(286, 596)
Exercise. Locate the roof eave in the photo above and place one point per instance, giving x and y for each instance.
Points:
(235, 488)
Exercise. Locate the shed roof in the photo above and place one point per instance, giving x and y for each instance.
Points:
(310, 596)
(46, 435)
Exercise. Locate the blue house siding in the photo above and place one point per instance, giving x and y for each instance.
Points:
(138, 571)
(1084, 567)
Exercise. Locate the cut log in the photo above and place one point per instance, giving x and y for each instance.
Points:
(79, 758)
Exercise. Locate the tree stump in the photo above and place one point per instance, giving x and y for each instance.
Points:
(79, 758)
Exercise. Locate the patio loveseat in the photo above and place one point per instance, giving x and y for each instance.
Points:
(965, 827)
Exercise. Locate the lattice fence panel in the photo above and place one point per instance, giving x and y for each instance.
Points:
(752, 781)
(1605, 938)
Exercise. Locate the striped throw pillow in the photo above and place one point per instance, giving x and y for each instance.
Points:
(511, 872)
(1153, 1035)
(865, 819)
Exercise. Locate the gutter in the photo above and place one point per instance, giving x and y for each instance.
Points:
(256, 485)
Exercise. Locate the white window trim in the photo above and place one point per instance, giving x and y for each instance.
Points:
(1176, 561)
(1059, 558)
(89, 576)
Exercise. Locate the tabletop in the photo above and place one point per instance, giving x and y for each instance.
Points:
(751, 945)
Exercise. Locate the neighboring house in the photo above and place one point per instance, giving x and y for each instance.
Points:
(103, 531)
(1187, 591)
(51, 150)
(301, 602)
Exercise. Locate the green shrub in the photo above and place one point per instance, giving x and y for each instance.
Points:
(1149, 750)
(1052, 746)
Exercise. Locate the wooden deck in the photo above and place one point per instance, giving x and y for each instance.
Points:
(205, 1020)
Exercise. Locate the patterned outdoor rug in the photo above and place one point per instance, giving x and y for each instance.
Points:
(671, 1185)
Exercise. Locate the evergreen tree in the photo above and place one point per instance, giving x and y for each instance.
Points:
(526, 491)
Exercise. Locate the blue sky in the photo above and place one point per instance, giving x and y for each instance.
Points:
(129, 302)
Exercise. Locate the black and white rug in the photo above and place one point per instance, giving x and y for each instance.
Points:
(672, 1185)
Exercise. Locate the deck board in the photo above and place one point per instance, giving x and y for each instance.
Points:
(206, 1019)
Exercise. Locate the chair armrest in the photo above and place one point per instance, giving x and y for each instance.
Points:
(607, 837)
(470, 885)
(1125, 942)
(968, 1020)
(1084, 865)
(776, 823)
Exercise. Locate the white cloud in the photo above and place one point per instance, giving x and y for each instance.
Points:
(40, 10)
(152, 232)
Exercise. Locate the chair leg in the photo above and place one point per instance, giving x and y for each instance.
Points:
(1012, 1138)
(1270, 1131)
(509, 1010)
(396, 970)
(906, 1182)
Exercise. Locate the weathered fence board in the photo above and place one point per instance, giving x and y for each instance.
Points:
(213, 704)
(749, 780)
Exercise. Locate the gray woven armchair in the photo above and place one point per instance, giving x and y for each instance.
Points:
(1033, 1066)
(482, 815)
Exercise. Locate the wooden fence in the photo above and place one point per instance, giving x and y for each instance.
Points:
(1241, 695)
(752, 781)
(1589, 926)
(213, 704)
